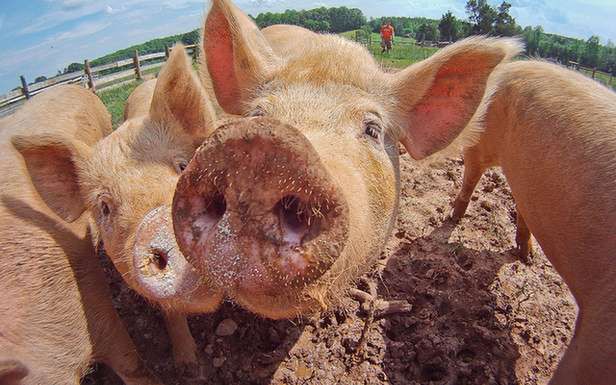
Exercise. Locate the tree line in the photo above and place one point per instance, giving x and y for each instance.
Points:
(482, 18)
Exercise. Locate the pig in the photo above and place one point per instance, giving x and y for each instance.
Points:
(553, 132)
(56, 315)
(139, 101)
(282, 209)
(127, 181)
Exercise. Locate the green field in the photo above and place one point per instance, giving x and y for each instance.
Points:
(601, 77)
(115, 98)
(404, 51)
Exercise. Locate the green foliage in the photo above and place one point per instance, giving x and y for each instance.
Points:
(337, 19)
(40, 79)
(74, 67)
(505, 25)
(563, 49)
(481, 15)
(448, 27)
(152, 46)
(427, 32)
(404, 26)
(115, 99)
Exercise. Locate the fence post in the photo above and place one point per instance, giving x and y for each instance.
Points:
(594, 71)
(166, 52)
(137, 65)
(24, 87)
(88, 72)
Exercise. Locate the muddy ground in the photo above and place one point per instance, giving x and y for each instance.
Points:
(478, 316)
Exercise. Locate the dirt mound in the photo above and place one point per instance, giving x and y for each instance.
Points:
(478, 316)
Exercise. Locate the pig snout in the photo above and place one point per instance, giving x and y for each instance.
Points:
(160, 269)
(257, 211)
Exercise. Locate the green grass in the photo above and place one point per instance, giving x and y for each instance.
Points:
(601, 77)
(115, 100)
(404, 52)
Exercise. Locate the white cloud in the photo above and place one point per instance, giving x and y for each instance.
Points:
(57, 17)
(82, 29)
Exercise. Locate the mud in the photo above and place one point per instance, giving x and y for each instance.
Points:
(478, 317)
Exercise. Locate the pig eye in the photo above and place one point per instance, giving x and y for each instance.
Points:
(181, 166)
(104, 208)
(373, 129)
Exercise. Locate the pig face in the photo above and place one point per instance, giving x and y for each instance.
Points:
(299, 198)
(127, 180)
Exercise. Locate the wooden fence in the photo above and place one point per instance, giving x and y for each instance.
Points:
(603, 77)
(94, 78)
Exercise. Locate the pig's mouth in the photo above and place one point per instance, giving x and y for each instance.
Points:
(258, 213)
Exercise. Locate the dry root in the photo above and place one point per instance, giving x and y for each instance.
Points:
(375, 309)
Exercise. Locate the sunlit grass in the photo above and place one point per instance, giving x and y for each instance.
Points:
(115, 100)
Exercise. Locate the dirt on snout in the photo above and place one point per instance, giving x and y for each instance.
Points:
(478, 316)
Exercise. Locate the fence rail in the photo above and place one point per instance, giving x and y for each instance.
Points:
(91, 77)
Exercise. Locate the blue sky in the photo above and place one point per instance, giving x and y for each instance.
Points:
(38, 37)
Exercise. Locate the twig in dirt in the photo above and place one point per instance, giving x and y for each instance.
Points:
(372, 298)
(389, 308)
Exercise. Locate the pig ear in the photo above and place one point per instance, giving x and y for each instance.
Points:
(438, 96)
(180, 97)
(236, 56)
(12, 371)
(52, 164)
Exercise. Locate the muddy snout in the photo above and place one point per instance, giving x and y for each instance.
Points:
(159, 267)
(257, 211)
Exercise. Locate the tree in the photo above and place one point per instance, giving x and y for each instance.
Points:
(504, 25)
(481, 15)
(448, 27)
(426, 32)
(73, 67)
(40, 79)
(591, 54)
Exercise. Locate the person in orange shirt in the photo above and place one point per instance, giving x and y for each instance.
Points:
(387, 36)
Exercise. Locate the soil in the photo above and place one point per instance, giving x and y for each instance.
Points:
(478, 315)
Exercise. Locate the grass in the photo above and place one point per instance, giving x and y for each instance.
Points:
(404, 52)
(115, 100)
(601, 77)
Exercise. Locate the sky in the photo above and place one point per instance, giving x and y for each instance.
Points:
(40, 37)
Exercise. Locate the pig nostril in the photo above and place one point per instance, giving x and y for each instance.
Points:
(297, 221)
(290, 213)
(217, 207)
(160, 259)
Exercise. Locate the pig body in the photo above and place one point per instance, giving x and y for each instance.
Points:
(553, 132)
(126, 182)
(284, 209)
(56, 315)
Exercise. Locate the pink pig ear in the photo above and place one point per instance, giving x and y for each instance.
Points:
(180, 97)
(52, 162)
(438, 96)
(236, 56)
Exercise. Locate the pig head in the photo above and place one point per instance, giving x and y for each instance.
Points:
(126, 183)
(282, 209)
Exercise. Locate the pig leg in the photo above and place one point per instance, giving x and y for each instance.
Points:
(473, 170)
(524, 246)
(182, 342)
(120, 353)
